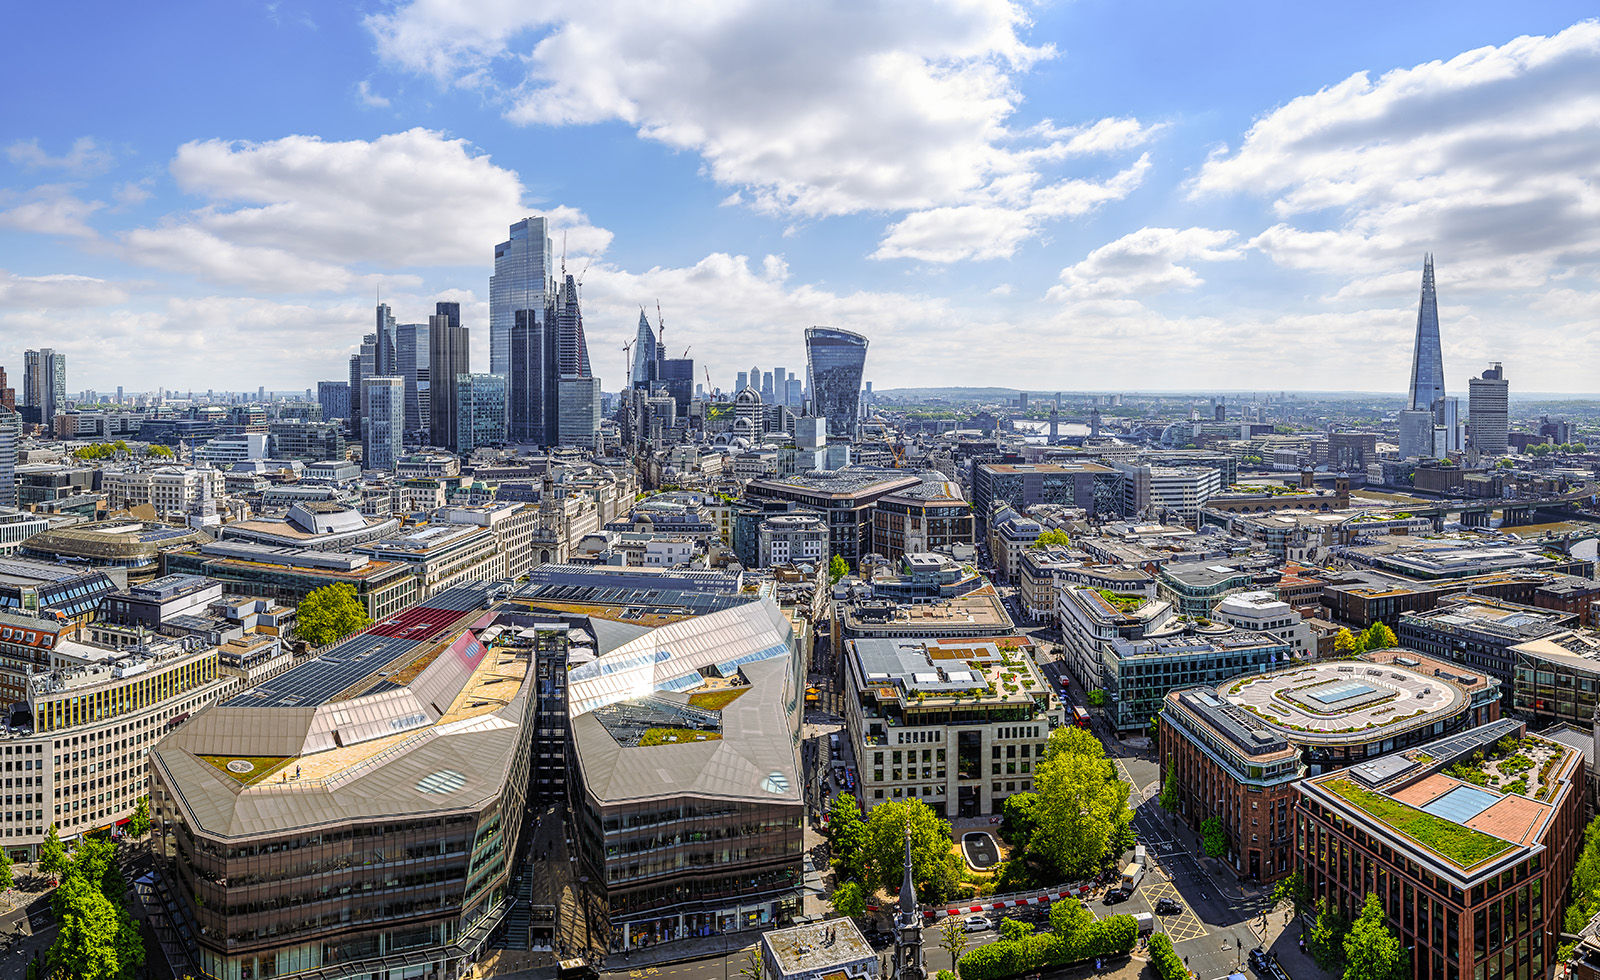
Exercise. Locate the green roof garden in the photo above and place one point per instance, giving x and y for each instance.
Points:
(1462, 846)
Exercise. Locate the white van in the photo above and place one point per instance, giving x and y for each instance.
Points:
(1131, 876)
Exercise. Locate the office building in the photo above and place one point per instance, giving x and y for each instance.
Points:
(1479, 634)
(831, 950)
(1234, 749)
(523, 279)
(766, 387)
(644, 354)
(386, 353)
(1472, 863)
(1427, 357)
(1096, 488)
(383, 426)
(289, 574)
(124, 546)
(578, 400)
(1488, 412)
(44, 385)
(8, 394)
(931, 516)
(960, 735)
(780, 386)
(792, 539)
(525, 379)
(742, 382)
(675, 377)
(398, 763)
(311, 441)
(10, 436)
(480, 411)
(689, 790)
(845, 499)
(413, 366)
(796, 394)
(334, 399)
(1556, 677)
(835, 360)
(448, 359)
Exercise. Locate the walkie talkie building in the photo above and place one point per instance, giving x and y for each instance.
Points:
(835, 360)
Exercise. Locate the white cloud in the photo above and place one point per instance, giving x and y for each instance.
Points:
(369, 98)
(1144, 262)
(302, 214)
(806, 110)
(86, 157)
(1491, 159)
(49, 209)
(58, 291)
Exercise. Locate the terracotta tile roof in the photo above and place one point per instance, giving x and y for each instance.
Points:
(1420, 793)
(1513, 818)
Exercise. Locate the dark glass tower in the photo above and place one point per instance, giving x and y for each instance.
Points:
(835, 360)
(1427, 360)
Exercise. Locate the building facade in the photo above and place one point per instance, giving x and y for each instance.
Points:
(835, 361)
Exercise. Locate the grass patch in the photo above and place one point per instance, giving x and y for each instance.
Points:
(1460, 845)
(677, 736)
(261, 766)
(716, 700)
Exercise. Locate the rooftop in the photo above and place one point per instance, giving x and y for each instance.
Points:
(1333, 700)
(817, 946)
(1503, 620)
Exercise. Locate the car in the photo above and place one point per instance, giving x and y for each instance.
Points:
(1168, 906)
(975, 923)
(1114, 896)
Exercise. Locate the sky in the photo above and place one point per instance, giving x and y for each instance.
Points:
(1086, 195)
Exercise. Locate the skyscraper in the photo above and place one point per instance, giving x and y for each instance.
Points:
(525, 380)
(522, 280)
(44, 384)
(1427, 359)
(577, 414)
(8, 395)
(835, 360)
(480, 411)
(10, 435)
(780, 386)
(334, 398)
(644, 353)
(412, 365)
(447, 359)
(1488, 411)
(766, 388)
(383, 428)
(386, 359)
(742, 382)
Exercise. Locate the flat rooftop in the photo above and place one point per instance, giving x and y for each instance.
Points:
(1324, 701)
(1510, 622)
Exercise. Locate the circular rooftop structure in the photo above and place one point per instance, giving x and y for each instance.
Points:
(1350, 700)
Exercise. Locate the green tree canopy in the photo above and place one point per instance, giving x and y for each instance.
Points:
(838, 568)
(847, 836)
(1171, 796)
(849, 899)
(1379, 637)
(331, 613)
(1083, 806)
(953, 938)
(1585, 880)
(1019, 816)
(98, 940)
(139, 823)
(158, 452)
(1371, 951)
(6, 879)
(52, 854)
(1326, 938)
(1054, 536)
(933, 863)
(1348, 644)
(1293, 888)
(1097, 698)
(1214, 837)
(1165, 960)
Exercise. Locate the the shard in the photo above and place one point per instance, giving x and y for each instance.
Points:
(1427, 361)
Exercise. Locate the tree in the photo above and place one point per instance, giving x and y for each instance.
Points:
(1054, 536)
(1585, 880)
(1292, 889)
(932, 859)
(1083, 806)
(838, 568)
(1348, 644)
(849, 900)
(1165, 960)
(847, 835)
(1214, 837)
(1379, 637)
(1326, 938)
(159, 452)
(86, 946)
(1171, 797)
(1371, 951)
(751, 967)
(139, 823)
(1013, 930)
(52, 854)
(6, 880)
(1154, 728)
(1097, 698)
(331, 613)
(1019, 816)
(953, 937)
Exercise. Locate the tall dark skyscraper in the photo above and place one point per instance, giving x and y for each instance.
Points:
(644, 353)
(1427, 359)
(413, 366)
(524, 270)
(387, 354)
(447, 360)
(835, 360)
(525, 381)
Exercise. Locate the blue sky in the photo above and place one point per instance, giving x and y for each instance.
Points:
(1086, 195)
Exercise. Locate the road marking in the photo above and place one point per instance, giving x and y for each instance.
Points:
(1181, 927)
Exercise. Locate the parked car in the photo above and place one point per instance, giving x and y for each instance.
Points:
(975, 923)
(1168, 906)
(1115, 895)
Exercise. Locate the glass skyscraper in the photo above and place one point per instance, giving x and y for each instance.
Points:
(412, 358)
(644, 353)
(383, 424)
(480, 411)
(835, 360)
(523, 280)
(1427, 360)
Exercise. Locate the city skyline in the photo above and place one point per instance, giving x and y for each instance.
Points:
(1189, 230)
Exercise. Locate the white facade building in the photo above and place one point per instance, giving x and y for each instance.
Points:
(792, 539)
(1266, 613)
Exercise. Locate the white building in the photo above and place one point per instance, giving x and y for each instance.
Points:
(1091, 622)
(1265, 613)
(792, 539)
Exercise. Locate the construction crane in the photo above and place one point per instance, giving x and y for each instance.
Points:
(686, 350)
(708, 380)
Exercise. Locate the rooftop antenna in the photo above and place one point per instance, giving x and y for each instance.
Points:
(661, 331)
